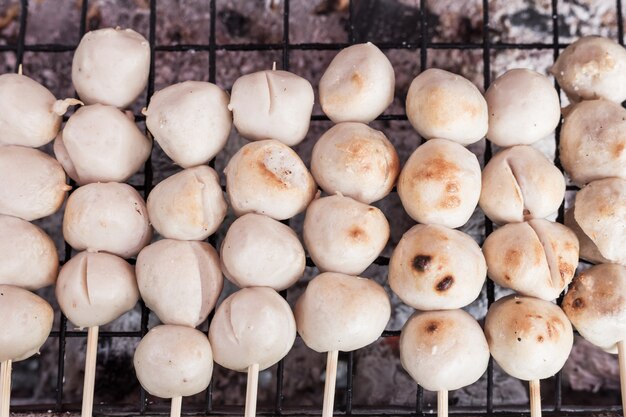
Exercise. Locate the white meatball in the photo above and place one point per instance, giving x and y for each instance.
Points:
(259, 251)
(32, 184)
(179, 280)
(94, 289)
(26, 323)
(593, 141)
(536, 258)
(108, 217)
(188, 205)
(101, 144)
(268, 177)
(344, 235)
(356, 161)
(596, 306)
(519, 184)
(358, 85)
(440, 184)
(190, 121)
(600, 211)
(29, 114)
(436, 268)
(444, 105)
(29, 258)
(341, 312)
(111, 66)
(523, 107)
(253, 326)
(592, 67)
(272, 105)
(529, 338)
(174, 361)
(443, 350)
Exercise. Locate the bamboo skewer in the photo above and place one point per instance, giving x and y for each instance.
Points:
(5, 386)
(535, 398)
(251, 390)
(621, 354)
(329, 387)
(177, 404)
(90, 371)
(442, 403)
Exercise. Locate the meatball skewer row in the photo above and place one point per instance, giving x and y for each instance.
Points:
(32, 186)
(104, 220)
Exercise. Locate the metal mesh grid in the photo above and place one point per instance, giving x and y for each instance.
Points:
(419, 408)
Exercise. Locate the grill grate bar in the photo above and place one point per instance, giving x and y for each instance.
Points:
(486, 46)
(57, 48)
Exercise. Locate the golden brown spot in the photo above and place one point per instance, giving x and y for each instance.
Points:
(471, 108)
(518, 302)
(508, 278)
(356, 233)
(553, 326)
(435, 107)
(432, 327)
(554, 246)
(578, 303)
(441, 106)
(513, 258)
(394, 164)
(437, 169)
(618, 149)
(449, 202)
(270, 176)
(540, 339)
(357, 79)
(356, 148)
(188, 204)
(569, 245)
(421, 262)
(452, 187)
(606, 210)
(565, 269)
(445, 284)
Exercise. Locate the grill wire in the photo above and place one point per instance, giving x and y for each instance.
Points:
(285, 46)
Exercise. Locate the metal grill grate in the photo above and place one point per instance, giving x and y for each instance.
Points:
(348, 408)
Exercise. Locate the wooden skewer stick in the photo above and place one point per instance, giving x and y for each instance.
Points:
(177, 404)
(5, 386)
(442, 403)
(329, 387)
(90, 371)
(621, 354)
(251, 390)
(535, 399)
